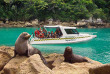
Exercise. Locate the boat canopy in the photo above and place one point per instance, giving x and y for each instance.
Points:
(65, 27)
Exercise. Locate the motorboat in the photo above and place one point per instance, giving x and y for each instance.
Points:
(69, 35)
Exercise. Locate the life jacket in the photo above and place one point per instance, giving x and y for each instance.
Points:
(35, 33)
(42, 35)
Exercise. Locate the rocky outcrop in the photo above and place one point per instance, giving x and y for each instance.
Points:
(55, 64)
(75, 68)
(60, 67)
(102, 69)
(54, 60)
(25, 65)
(34, 65)
(4, 58)
(5, 55)
(9, 50)
(13, 65)
(36, 23)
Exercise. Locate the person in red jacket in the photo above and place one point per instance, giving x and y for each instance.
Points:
(37, 33)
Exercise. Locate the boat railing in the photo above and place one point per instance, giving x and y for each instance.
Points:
(32, 36)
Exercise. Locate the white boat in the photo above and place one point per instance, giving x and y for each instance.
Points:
(69, 35)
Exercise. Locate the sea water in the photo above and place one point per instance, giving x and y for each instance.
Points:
(97, 49)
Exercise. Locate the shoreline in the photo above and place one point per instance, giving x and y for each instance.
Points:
(34, 23)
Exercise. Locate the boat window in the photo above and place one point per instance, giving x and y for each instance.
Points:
(71, 31)
(54, 30)
(51, 29)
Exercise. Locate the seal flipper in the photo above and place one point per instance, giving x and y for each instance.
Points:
(15, 53)
(43, 59)
(27, 53)
(36, 51)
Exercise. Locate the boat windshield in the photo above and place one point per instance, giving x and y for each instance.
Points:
(71, 31)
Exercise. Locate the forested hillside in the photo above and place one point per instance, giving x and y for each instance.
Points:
(63, 10)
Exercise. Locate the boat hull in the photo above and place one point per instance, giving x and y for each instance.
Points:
(65, 40)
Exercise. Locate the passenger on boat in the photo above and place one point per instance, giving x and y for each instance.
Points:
(43, 30)
(45, 33)
(40, 30)
(41, 34)
(37, 33)
(58, 32)
(55, 35)
(52, 34)
(49, 35)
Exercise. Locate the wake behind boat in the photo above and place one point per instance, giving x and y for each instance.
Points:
(61, 35)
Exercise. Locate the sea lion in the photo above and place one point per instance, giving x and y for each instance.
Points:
(22, 47)
(72, 58)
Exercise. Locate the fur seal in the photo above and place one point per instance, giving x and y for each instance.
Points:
(22, 47)
(72, 58)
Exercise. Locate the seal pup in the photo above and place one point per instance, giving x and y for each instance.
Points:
(22, 47)
(72, 58)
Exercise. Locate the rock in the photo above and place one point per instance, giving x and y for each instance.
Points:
(35, 22)
(27, 24)
(58, 61)
(50, 21)
(34, 65)
(102, 69)
(21, 22)
(12, 67)
(25, 65)
(4, 58)
(65, 23)
(1, 22)
(7, 49)
(2, 72)
(57, 22)
(75, 68)
(54, 60)
(7, 22)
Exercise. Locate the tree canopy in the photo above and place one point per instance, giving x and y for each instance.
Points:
(63, 10)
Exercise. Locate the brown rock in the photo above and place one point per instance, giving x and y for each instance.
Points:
(7, 49)
(34, 65)
(35, 22)
(25, 65)
(1, 22)
(4, 58)
(65, 23)
(102, 69)
(54, 60)
(27, 23)
(76, 68)
(2, 72)
(12, 67)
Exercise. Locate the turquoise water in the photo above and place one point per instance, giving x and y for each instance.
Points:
(97, 49)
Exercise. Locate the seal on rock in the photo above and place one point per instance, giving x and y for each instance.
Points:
(22, 47)
(72, 58)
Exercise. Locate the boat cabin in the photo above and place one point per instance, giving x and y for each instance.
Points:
(64, 30)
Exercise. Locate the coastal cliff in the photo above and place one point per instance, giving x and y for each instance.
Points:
(55, 64)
